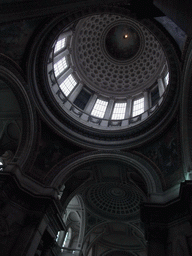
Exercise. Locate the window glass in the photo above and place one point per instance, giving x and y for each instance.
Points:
(166, 79)
(119, 111)
(60, 66)
(68, 85)
(138, 106)
(99, 108)
(59, 45)
(67, 239)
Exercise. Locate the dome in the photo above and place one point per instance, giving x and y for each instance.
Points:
(114, 200)
(104, 67)
(106, 75)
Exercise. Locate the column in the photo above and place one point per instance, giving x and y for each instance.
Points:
(146, 100)
(128, 108)
(109, 109)
(91, 104)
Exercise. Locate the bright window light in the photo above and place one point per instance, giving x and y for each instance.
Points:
(68, 85)
(65, 240)
(1, 165)
(60, 66)
(119, 111)
(59, 45)
(138, 107)
(58, 234)
(166, 79)
(99, 108)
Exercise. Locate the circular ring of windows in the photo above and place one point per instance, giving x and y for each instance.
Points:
(93, 101)
(107, 72)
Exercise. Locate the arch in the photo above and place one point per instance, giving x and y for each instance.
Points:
(12, 75)
(148, 172)
(129, 224)
(93, 239)
(76, 211)
(103, 225)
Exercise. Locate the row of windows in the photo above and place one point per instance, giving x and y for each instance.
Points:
(119, 109)
(100, 106)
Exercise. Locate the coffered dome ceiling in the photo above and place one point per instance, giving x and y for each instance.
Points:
(114, 200)
(106, 78)
(116, 55)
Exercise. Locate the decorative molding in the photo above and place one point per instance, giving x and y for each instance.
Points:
(69, 128)
(60, 173)
(13, 76)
